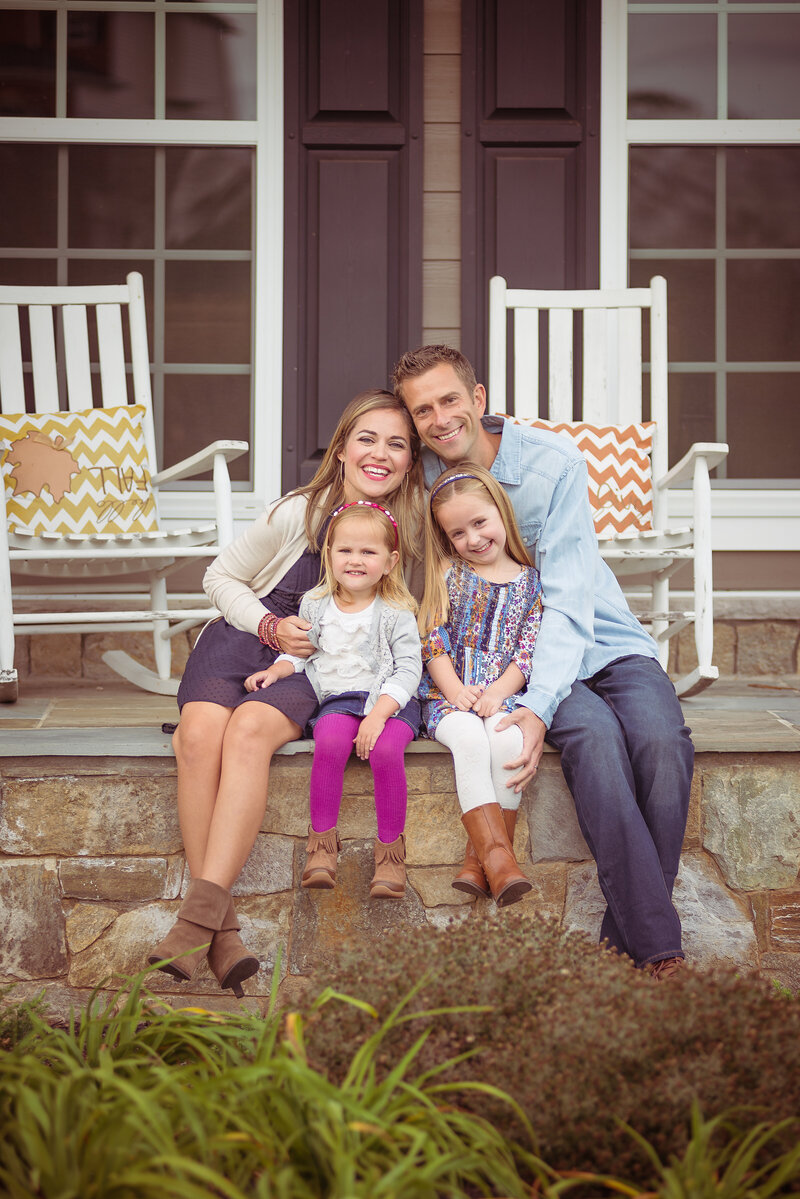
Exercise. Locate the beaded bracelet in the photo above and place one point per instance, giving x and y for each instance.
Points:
(267, 631)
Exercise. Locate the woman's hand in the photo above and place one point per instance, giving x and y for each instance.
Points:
(292, 634)
(368, 733)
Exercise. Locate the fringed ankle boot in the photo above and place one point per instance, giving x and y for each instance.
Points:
(321, 852)
(389, 879)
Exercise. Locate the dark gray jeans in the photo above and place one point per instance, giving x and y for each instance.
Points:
(628, 758)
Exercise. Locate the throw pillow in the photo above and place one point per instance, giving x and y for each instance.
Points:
(77, 472)
(620, 475)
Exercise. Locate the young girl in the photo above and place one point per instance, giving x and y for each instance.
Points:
(365, 672)
(479, 618)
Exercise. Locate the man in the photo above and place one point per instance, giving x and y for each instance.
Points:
(598, 693)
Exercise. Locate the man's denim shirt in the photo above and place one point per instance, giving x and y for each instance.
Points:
(586, 621)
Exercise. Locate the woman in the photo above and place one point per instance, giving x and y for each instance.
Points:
(227, 735)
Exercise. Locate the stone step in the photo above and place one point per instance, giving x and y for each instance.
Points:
(92, 866)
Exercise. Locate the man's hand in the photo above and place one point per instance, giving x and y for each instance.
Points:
(533, 731)
(292, 634)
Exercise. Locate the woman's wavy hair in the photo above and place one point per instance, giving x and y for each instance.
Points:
(392, 586)
(465, 479)
(325, 492)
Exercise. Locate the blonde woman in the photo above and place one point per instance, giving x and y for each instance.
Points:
(227, 735)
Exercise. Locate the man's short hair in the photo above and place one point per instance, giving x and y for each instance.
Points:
(418, 362)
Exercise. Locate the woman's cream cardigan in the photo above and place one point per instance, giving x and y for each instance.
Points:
(256, 562)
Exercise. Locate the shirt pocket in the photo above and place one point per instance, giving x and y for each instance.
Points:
(530, 531)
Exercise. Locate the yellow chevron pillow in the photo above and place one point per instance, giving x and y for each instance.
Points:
(620, 475)
(77, 472)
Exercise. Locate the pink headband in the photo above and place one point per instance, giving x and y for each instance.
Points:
(452, 479)
(370, 504)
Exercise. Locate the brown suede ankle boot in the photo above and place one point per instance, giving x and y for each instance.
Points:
(321, 853)
(389, 879)
(228, 958)
(487, 831)
(201, 914)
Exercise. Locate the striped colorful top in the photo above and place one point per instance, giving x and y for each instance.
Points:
(490, 626)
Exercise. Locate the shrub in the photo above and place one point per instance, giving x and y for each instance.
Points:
(136, 1100)
(577, 1036)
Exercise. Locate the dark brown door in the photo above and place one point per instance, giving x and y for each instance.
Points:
(353, 244)
(530, 151)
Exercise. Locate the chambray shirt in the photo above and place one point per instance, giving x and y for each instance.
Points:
(586, 621)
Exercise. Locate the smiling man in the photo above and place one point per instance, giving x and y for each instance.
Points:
(597, 693)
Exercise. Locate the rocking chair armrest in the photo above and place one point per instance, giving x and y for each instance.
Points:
(683, 472)
(201, 461)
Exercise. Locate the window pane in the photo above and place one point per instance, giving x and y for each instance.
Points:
(672, 190)
(111, 196)
(199, 409)
(211, 66)
(110, 65)
(27, 63)
(29, 211)
(690, 305)
(763, 426)
(763, 186)
(209, 195)
(691, 412)
(672, 66)
(763, 303)
(207, 312)
(764, 65)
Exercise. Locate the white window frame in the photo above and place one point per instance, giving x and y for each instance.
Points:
(742, 518)
(265, 136)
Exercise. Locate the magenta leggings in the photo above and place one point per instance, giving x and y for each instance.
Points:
(333, 743)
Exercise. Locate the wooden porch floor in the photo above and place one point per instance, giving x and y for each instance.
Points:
(67, 718)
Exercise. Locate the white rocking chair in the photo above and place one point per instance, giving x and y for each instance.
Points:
(84, 582)
(612, 395)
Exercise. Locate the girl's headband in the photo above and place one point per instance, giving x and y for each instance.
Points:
(370, 504)
(452, 479)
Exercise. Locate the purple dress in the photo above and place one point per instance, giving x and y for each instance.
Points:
(224, 656)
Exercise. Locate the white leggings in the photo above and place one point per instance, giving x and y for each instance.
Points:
(479, 755)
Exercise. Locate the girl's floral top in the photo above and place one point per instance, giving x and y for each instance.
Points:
(490, 626)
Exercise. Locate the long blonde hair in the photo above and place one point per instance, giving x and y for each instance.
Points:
(391, 586)
(325, 492)
(465, 479)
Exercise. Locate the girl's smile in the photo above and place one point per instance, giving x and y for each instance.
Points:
(359, 560)
(475, 529)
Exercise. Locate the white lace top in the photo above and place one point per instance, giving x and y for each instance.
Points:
(341, 666)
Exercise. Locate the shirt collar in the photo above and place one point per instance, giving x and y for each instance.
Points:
(507, 466)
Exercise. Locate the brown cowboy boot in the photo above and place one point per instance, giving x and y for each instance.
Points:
(228, 959)
(321, 852)
(471, 877)
(487, 832)
(389, 879)
(201, 914)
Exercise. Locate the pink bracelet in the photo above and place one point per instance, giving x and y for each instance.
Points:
(267, 631)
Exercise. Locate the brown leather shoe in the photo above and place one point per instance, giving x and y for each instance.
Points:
(666, 968)
(471, 877)
(228, 958)
(200, 916)
(389, 879)
(488, 833)
(321, 852)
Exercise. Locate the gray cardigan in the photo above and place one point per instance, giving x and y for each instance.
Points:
(392, 644)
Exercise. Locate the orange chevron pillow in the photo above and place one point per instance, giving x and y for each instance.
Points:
(77, 472)
(620, 474)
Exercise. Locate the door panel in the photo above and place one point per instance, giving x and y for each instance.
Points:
(353, 258)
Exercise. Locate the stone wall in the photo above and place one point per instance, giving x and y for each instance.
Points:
(92, 869)
(741, 647)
